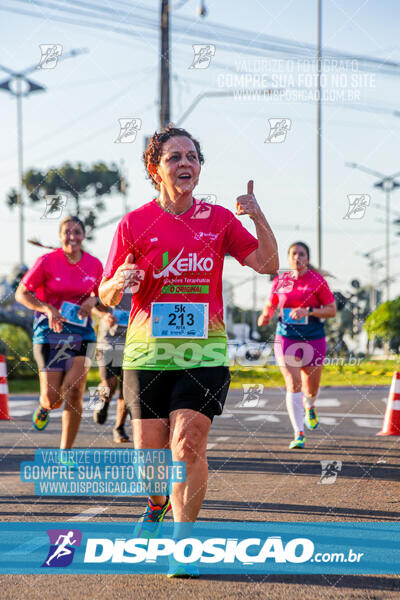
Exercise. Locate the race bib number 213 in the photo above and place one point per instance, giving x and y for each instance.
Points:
(179, 319)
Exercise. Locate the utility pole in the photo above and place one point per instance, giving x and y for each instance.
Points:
(18, 92)
(319, 133)
(165, 108)
(387, 184)
(254, 311)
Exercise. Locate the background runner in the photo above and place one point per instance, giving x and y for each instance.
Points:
(61, 288)
(304, 298)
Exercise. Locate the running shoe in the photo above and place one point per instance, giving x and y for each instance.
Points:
(298, 442)
(40, 418)
(65, 460)
(182, 570)
(149, 523)
(100, 415)
(311, 418)
(119, 435)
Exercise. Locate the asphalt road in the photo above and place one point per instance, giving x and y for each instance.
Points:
(253, 476)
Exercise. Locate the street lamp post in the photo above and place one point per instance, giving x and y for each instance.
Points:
(387, 184)
(16, 79)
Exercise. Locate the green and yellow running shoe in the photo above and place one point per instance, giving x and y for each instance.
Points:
(182, 570)
(149, 523)
(65, 460)
(298, 442)
(311, 418)
(40, 418)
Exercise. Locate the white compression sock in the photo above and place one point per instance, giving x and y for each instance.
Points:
(294, 405)
(309, 401)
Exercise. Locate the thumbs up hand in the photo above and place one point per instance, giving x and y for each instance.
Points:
(247, 204)
(128, 275)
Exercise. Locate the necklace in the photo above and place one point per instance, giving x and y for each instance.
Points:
(170, 211)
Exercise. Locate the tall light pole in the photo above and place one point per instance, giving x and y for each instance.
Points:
(165, 108)
(319, 133)
(14, 86)
(387, 184)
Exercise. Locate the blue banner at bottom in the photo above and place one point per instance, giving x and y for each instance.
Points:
(212, 547)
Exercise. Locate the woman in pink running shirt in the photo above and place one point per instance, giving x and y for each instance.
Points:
(176, 373)
(62, 288)
(303, 298)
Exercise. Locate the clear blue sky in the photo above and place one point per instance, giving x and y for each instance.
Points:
(77, 120)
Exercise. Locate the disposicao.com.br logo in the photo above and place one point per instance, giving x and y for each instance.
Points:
(192, 549)
(213, 547)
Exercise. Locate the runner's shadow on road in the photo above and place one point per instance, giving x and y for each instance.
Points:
(295, 509)
(302, 467)
(361, 582)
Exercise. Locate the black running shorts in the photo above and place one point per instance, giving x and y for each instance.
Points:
(155, 394)
(60, 356)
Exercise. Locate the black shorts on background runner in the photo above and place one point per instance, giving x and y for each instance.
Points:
(155, 394)
(60, 356)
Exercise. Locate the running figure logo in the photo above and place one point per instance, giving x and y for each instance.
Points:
(128, 129)
(278, 129)
(251, 394)
(61, 551)
(62, 350)
(285, 283)
(54, 206)
(203, 54)
(203, 209)
(357, 206)
(97, 395)
(50, 54)
(330, 470)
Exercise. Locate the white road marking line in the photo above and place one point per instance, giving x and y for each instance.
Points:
(349, 415)
(257, 404)
(38, 542)
(327, 420)
(88, 514)
(15, 412)
(21, 403)
(327, 402)
(371, 423)
(212, 445)
(269, 418)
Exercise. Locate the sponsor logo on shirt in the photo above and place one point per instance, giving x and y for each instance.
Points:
(89, 278)
(179, 264)
(201, 235)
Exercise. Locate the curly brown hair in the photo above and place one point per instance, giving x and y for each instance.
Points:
(152, 154)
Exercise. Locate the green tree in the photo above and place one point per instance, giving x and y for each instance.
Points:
(16, 344)
(87, 187)
(384, 323)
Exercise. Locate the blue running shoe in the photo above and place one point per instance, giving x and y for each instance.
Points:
(182, 570)
(311, 418)
(149, 523)
(298, 442)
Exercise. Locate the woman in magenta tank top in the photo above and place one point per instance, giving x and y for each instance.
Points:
(62, 288)
(303, 298)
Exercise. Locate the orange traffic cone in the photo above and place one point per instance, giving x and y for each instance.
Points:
(4, 414)
(391, 422)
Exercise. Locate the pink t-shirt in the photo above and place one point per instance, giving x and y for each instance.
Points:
(309, 290)
(182, 258)
(54, 279)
